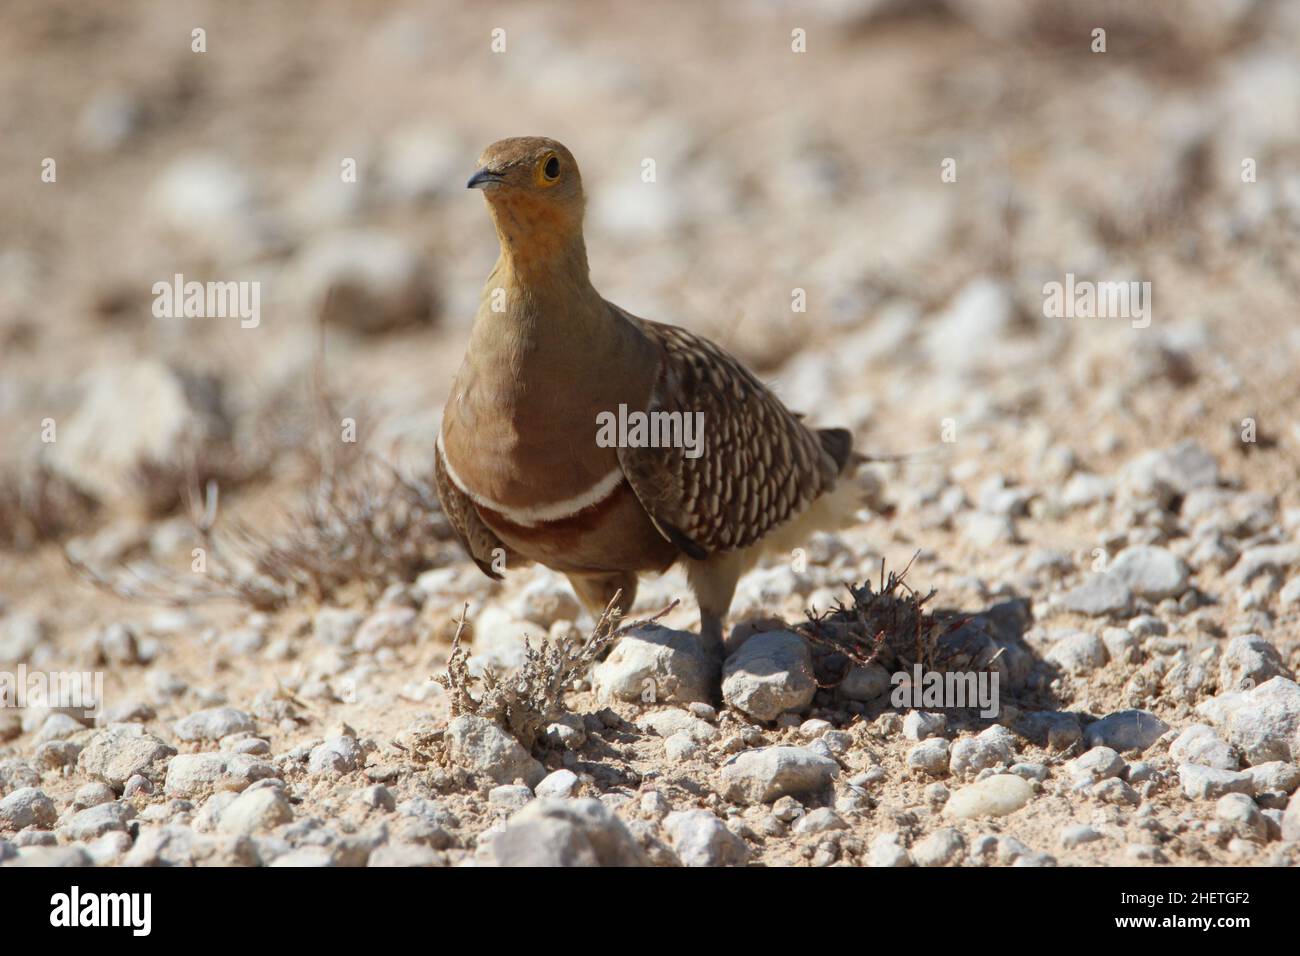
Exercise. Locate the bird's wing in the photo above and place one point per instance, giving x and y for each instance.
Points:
(475, 536)
(759, 466)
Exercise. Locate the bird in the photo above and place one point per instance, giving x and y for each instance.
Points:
(521, 469)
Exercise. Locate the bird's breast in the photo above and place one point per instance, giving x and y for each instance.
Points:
(525, 449)
(524, 434)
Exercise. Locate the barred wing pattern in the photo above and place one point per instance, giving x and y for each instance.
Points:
(760, 464)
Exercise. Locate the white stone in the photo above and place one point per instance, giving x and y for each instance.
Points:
(481, 746)
(993, 796)
(551, 832)
(132, 414)
(58, 726)
(1163, 474)
(1126, 730)
(653, 664)
(498, 640)
(253, 810)
(679, 747)
(1248, 661)
(701, 839)
(930, 756)
(673, 720)
(1265, 722)
(820, 820)
(1291, 819)
(1200, 744)
(1085, 489)
(510, 796)
(340, 754)
(386, 627)
(27, 807)
(1276, 776)
(1239, 812)
(1150, 572)
(213, 724)
(1099, 763)
(1078, 653)
(121, 751)
(336, 626)
(558, 783)
(763, 775)
(94, 822)
(1263, 558)
(198, 775)
(920, 724)
(886, 851)
(1097, 595)
(962, 336)
(941, 848)
(1075, 836)
(1208, 783)
(769, 675)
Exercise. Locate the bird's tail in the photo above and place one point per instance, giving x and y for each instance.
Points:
(838, 443)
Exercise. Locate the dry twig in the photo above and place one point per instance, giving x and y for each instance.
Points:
(532, 697)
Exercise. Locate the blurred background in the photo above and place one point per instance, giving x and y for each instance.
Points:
(775, 171)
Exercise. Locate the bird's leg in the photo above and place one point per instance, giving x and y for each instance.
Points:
(711, 634)
(714, 582)
(595, 591)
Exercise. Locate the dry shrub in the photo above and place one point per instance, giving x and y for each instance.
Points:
(891, 626)
(526, 701)
(161, 485)
(369, 525)
(40, 506)
(363, 524)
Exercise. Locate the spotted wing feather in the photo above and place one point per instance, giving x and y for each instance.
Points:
(760, 465)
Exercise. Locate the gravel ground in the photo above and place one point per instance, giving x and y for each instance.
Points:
(1110, 502)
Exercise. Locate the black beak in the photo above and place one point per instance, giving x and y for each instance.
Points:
(483, 179)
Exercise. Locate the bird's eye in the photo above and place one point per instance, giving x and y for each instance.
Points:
(551, 168)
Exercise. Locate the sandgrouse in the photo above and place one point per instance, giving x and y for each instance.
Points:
(521, 471)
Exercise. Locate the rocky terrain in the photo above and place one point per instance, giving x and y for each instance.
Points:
(231, 521)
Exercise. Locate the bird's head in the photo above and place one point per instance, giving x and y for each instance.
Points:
(534, 192)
